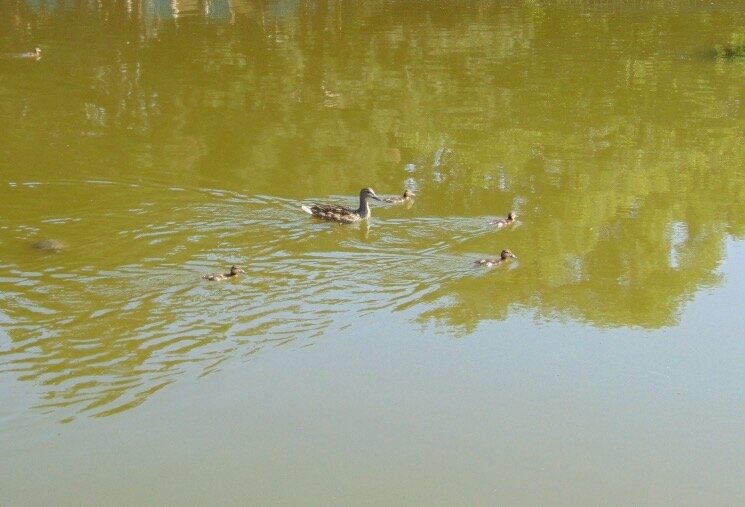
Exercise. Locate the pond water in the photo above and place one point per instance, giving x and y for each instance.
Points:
(154, 142)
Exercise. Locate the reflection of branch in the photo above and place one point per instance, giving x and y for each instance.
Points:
(598, 202)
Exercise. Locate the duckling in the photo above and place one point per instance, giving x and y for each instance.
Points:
(343, 214)
(30, 55)
(219, 277)
(506, 254)
(504, 222)
(49, 245)
(408, 195)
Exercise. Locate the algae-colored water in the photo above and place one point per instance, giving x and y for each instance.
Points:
(372, 363)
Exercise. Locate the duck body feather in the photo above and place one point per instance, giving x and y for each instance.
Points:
(504, 222)
(343, 214)
(336, 213)
(400, 199)
(504, 256)
(219, 277)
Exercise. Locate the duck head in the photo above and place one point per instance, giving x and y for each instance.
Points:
(368, 192)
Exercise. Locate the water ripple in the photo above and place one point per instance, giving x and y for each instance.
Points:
(102, 331)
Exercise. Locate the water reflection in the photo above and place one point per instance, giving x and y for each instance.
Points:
(184, 140)
(102, 338)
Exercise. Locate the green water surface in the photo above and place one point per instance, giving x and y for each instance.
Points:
(154, 142)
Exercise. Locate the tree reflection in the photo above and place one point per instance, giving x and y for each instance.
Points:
(624, 165)
(603, 171)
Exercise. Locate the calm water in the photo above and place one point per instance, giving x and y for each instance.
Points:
(154, 142)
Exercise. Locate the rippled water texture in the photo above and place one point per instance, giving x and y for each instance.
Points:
(151, 143)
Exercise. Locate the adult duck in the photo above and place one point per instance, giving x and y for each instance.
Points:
(400, 199)
(504, 222)
(343, 214)
(503, 257)
(219, 277)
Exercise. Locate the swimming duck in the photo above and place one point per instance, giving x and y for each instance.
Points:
(506, 254)
(49, 245)
(30, 55)
(408, 194)
(338, 213)
(219, 277)
(504, 222)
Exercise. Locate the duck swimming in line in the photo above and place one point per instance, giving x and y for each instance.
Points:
(504, 222)
(343, 214)
(30, 55)
(49, 245)
(503, 257)
(219, 277)
(408, 195)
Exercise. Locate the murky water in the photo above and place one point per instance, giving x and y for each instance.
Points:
(372, 363)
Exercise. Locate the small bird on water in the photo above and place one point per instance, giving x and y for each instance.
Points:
(218, 277)
(504, 256)
(29, 55)
(343, 214)
(504, 222)
(49, 245)
(396, 199)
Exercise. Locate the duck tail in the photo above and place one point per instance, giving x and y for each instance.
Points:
(306, 209)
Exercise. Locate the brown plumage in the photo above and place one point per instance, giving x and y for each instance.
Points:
(396, 199)
(49, 245)
(504, 256)
(343, 214)
(504, 222)
(218, 277)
